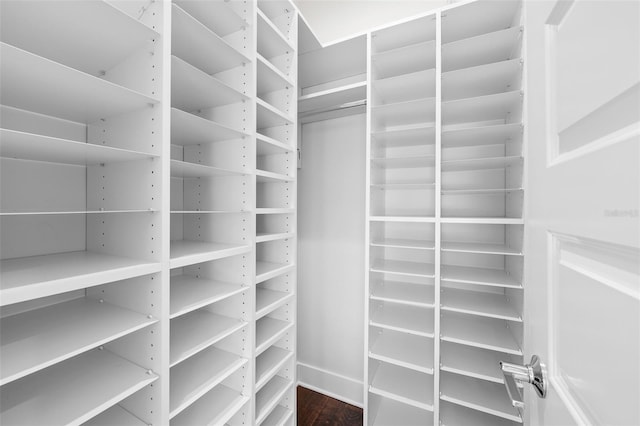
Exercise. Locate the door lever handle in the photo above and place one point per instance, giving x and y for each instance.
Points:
(534, 373)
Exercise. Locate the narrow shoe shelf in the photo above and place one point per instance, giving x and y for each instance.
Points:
(115, 415)
(414, 112)
(389, 411)
(407, 218)
(219, 17)
(482, 396)
(267, 270)
(189, 293)
(269, 116)
(268, 331)
(271, 42)
(268, 210)
(403, 267)
(423, 134)
(487, 163)
(264, 176)
(33, 83)
(404, 60)
(190, 129)
(34, 147)
(406, 319)
(65, 329)
(184, 169)
(193, 42)
(185, 252)
(270, 78)
(46, 275)
(197, 331)
(481, 108)
(269, 363)
(199, 374)
(269, 396)
(276, 236)
(482, 80)
(101, 380)
(404, 162)
(479, 276)
(484, 220)
(484, 191)
(457, 415)
(485, 333)
(407, 185)
(216, 407)
(72, 212)
(405, 87)
(474, 362)
(269, 300)
(332, 98)
(270, 146)
(403, 243)
(483, 304)
(483, 135)
(403, 385)
(404, 350)
(278, 417)
(411, 294)
(482, 49)
(482, 248)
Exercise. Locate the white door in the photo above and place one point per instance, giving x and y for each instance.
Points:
(583, 238)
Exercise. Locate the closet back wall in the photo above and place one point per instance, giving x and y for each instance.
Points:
(331, 202)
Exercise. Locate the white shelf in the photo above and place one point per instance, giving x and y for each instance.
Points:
(88, 36)
(482, 80)
(404, 243)
(39, 276)
(482, 396)
(183, 169)
(268, 270)
(269, 396)
(401, 267)
(404, 350)
(270, 78)
(270, 146)
(481, 108)
(115, 415)
(407, 219)
(219, 17)
(481, 163)
(409, 136)
(30, 146)
(197, 331)
(33, 83)
(473, 362)
(478, 276)
(484, 135)
(100, 380)
(490, 305)
(403, 385)
(268, 300)
(482, 248)
(406, 319)
(217, 407)
(278, 417)
(485, 220)
(403, 293)
(41, 213)
(487, 191)
(269, 363)
(405, 60)
(482, 333)
(195, 43)
(416, 85)
(483, 49)
(399, 186)
(268, 331)
(189, 129)
(271, 42)
(264, 237)
(457, 415)
(184, 253)
(193, 89)
(269, 116)
(404, 162)
(37, 339)
(190, 293)
(414, 112)
(263, 176)
(332, 98)
(390, 411)
(195, 377)
(276, 210)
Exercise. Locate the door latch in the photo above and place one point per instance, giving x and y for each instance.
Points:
(516, 375)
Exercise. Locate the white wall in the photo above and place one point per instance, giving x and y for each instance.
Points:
(331, 196)
(332, 20)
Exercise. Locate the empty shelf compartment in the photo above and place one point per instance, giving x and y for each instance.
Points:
(492, 305)
(400, 267)
(216, 407)
(403, 385)
(270, 395)
(474, 362)
(268, 331)
(403, 293)
(269, 363)
(479, 276)
(390, 412)
(486, 333)
(406, 319)
(402, 349)
(189, 293)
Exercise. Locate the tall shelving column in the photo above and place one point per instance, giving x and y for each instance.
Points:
(482, 205)
(275, 241)
(400, 286)
(82, 282)
(211, 212)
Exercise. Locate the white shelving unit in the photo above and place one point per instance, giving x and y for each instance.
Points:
(445, 225)
(274, 306)
(133, 218)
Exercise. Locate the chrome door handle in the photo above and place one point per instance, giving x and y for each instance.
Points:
(534, 373)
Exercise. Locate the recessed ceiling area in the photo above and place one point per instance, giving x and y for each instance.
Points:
(333, 20)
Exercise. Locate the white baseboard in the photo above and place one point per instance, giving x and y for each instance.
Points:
(331, 384)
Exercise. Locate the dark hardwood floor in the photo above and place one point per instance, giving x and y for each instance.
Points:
(317, 409)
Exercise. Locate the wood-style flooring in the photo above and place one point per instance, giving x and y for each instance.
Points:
(317, 409)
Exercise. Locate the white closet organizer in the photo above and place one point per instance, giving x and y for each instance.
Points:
(81, 217)
(445, 216)
(275, 202)
(133, 218)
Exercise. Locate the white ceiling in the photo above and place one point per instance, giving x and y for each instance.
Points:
(333, 20)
